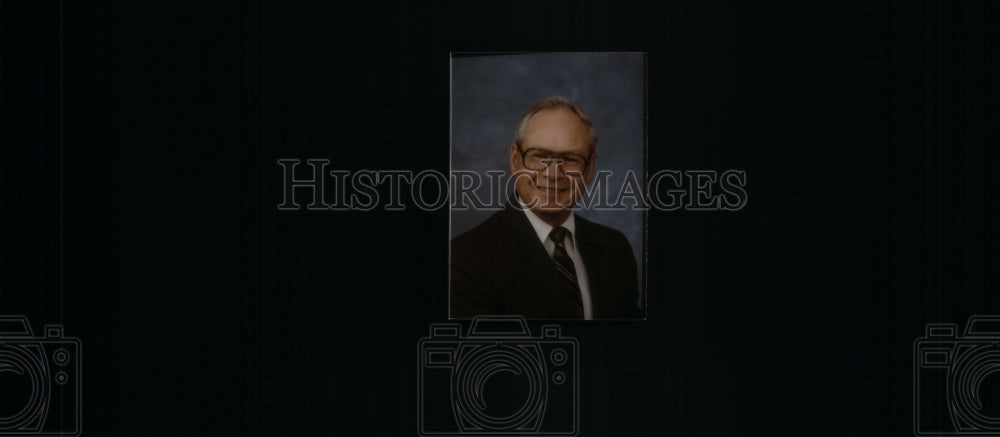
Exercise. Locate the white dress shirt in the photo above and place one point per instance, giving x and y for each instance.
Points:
(543, 229)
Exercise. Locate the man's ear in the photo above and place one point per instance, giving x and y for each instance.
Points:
(515, 156)
(589, 171)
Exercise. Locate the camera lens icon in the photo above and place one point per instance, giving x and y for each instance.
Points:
(497, 380)
(499, 387)
(966, 387)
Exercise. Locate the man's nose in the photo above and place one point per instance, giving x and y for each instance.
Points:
(554, 169)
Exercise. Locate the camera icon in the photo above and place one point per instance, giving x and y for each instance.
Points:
(39, 380)
(498, 380)
(956, 379)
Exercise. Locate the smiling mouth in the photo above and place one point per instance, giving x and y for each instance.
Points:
(553, 189)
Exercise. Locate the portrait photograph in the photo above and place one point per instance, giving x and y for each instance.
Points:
(543, 145)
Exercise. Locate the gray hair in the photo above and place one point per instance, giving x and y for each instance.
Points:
(551, 103)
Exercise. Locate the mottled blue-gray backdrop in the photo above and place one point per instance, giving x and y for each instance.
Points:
(491, 93)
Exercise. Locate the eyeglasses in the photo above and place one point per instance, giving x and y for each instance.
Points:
(540, 159)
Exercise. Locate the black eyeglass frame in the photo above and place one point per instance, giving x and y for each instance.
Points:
(555, 156)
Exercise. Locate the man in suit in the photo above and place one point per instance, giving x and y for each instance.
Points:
(536, 257)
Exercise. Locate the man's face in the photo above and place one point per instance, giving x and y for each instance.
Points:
(555, 141)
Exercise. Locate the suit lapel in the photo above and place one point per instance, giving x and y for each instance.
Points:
(539, 282)
(590, 251)
(538, 279)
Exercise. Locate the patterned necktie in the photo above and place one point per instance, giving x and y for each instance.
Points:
(566, 269)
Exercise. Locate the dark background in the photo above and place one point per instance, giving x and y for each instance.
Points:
(139, 193)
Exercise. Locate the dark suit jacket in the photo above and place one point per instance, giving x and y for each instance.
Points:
(500, 267)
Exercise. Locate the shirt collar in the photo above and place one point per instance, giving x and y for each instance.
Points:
(543, 229)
